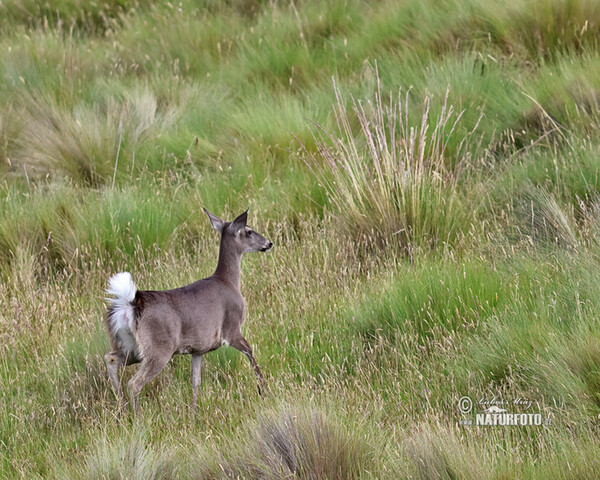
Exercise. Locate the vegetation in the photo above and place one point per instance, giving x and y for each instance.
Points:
(428, 172)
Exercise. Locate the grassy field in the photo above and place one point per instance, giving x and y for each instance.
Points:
(428, 171)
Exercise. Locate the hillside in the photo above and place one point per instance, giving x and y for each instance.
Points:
(428, 172)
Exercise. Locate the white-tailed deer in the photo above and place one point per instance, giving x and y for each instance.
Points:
(151, 326)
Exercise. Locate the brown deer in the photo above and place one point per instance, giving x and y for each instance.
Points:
(151, 326)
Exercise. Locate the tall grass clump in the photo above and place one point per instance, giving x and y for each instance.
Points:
(90, 17)
(87, 142)
(543, 221)
(437, 452)
(293, 442)
(130, 456)
(392, 178)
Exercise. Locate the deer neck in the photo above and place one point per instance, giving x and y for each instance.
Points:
(229, 265)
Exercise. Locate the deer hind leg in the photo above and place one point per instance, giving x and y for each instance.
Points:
(151, 366)
(196, 374)
(240, 343)
(114, 360)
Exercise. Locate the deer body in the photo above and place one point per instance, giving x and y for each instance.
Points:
(151, 326)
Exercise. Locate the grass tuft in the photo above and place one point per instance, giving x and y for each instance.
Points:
(543, 221)
(89, 143)
(130, 456)
(391, 178)
(293, 443)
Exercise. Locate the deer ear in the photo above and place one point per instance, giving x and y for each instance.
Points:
(240, 222)
(215, 221)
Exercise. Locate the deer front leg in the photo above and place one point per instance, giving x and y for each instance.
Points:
(196, 374)
(243, 346)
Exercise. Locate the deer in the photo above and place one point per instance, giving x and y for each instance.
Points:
(150, 327)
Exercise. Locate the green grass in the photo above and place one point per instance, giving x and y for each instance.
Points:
(429, 245)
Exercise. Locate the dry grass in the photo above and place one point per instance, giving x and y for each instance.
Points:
(131, 457)
(86, 142)
(292, 442)
(544, 221)
(395, 180)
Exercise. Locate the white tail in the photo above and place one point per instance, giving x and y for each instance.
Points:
(123, 288)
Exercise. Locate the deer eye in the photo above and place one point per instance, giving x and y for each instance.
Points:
(249, 233)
